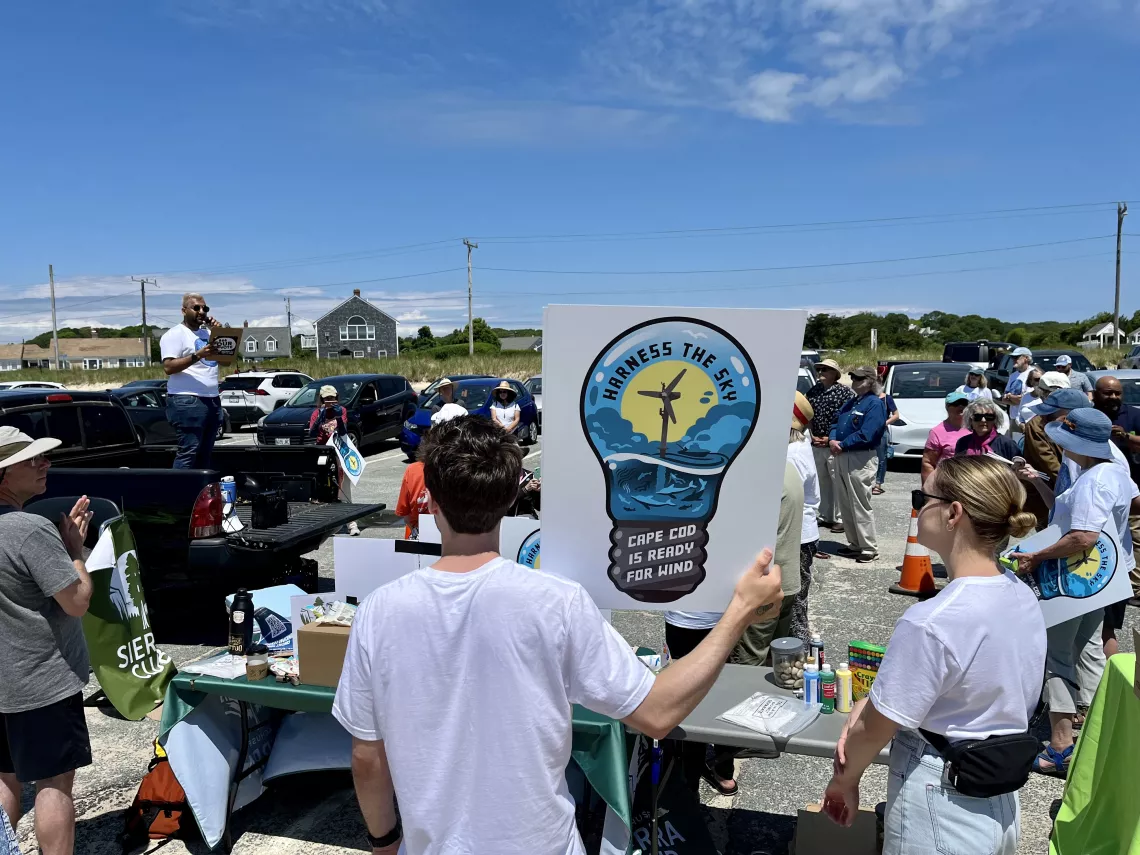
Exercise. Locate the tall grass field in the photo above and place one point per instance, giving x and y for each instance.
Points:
(417, 367)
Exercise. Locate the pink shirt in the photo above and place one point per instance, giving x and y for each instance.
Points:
(944, 439)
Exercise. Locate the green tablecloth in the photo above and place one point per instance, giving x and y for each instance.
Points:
(598, 746)
(1100, 812)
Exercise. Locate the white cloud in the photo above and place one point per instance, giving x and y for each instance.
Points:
(772, 60)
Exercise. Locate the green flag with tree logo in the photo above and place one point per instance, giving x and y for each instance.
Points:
(128, 665)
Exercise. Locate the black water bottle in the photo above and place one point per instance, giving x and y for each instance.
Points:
(241, 623)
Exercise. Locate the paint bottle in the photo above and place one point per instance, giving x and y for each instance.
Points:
(843, 688)
(827, 690)
(811, 683)
(816, 649)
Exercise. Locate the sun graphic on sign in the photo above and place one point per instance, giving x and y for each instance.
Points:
(353, 461)
(691, 394)
(1084, 564)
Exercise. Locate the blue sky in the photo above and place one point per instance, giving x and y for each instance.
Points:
(264, 148)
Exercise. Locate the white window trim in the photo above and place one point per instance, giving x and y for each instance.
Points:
(358, 354)
(270, 345)
(251, 345)
(88, 366)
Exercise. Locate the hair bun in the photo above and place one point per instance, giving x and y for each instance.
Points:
(1021, 523)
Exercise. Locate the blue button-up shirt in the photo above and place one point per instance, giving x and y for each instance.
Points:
(860, 423)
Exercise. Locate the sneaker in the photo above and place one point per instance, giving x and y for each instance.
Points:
(867, 557)
(354, 529)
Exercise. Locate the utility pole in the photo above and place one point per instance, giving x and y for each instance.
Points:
(55, 327)
(1121, 213)
(145, 329)
(470, 319)
(289, 318)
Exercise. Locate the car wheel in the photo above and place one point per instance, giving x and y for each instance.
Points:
(355, 437)
(531, 433)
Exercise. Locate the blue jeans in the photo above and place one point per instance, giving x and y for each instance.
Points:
(884, 453)
(927, 817)
(196, 421)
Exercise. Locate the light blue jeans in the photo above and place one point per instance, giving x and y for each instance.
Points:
(927, 817)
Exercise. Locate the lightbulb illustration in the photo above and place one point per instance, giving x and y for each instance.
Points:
(530, 551)
(667, 406)
(1079, 575)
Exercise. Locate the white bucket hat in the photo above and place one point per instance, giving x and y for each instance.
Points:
(448, 412)
(16, 446)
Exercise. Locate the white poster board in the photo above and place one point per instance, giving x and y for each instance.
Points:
(665, 434)
(519, 538)
(1076, 585)
(363, 564)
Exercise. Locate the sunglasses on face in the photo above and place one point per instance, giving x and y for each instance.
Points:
(918, 499)
(199, 308)
(985, 417)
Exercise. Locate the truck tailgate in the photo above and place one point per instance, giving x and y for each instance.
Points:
(306, 521)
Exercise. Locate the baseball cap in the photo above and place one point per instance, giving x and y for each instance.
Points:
(448, 412)
(1063, 360)
(957, 398)
(1055, 380)
(1023, 351)
(981, 372)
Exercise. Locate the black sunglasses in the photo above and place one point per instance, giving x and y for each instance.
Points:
(985, 417)
(918, 499)
(199, 308)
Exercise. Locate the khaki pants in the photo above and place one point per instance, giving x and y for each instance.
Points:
(753, 647)
(825, 469)
(855, 475)
(1074, 662)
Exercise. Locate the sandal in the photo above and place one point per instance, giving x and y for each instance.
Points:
(714, 782)
(877, 490)
(1058, 760)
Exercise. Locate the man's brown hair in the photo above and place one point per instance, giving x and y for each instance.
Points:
(471, 469)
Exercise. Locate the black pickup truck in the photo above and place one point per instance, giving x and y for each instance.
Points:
(188, 562)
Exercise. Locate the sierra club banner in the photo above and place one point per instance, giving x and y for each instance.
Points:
(352, 462)
(130, 668)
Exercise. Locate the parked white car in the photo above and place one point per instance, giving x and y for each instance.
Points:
(919, 390)
(30, 384)
(252, 395)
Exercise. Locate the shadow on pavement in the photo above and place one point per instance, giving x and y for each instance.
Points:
(738, 831)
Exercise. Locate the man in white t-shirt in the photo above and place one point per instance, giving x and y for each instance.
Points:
(459, 679)
(192, 403)
(1018, 383)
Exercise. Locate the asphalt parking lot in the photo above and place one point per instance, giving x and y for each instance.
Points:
(316, 814)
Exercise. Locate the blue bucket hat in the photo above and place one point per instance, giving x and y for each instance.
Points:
(1084, 431)
(1063, 399)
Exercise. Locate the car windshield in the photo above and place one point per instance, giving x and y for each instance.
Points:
(534, 384)
(240, 384)
(469, 396)
(927, 381)
(307, 397)
(1048, 362)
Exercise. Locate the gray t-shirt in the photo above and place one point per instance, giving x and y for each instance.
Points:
(44, 656)
(1078, 380)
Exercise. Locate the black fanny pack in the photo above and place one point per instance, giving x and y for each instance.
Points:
(989, 767)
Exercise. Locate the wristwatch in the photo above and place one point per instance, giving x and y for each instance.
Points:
(388, 839)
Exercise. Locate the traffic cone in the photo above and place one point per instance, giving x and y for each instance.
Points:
(917, 578)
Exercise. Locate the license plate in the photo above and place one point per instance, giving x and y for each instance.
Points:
(282, 441)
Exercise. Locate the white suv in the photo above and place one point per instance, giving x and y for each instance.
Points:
(249, 395)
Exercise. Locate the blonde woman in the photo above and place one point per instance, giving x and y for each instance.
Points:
(976, 385)
(964, 665)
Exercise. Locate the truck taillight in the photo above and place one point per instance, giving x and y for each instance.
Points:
(261, 392)
(206, 518)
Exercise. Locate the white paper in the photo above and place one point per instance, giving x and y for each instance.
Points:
(363, 564)
(225, 666)
(637, 528)
(1073, 586)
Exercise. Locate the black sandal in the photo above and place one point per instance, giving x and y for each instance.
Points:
(714, 782)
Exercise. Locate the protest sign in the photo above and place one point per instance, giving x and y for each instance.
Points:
(226, 341)
(664, 448)
(351, 461)
(364, 564)
(130, 668)
(1078, 584)
(518, 538)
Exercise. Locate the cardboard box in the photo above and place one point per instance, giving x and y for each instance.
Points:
(816, 833)
(226, 342)
(320, 653)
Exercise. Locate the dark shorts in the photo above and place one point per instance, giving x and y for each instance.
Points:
(1114, 615)
(45, 742)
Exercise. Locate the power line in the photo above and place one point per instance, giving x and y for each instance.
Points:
(792, 266)
(814, 283)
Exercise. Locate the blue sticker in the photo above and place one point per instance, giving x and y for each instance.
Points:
(529, 551)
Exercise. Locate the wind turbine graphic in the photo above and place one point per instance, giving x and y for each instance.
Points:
(667, 396)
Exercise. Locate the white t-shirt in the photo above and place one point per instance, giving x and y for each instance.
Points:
(1022, 389)
(972, 394)
(469, 678)
(693, 620)
(504, 415)
(1099, 494)
(800, 455)
(968, 663)
(199, 379)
